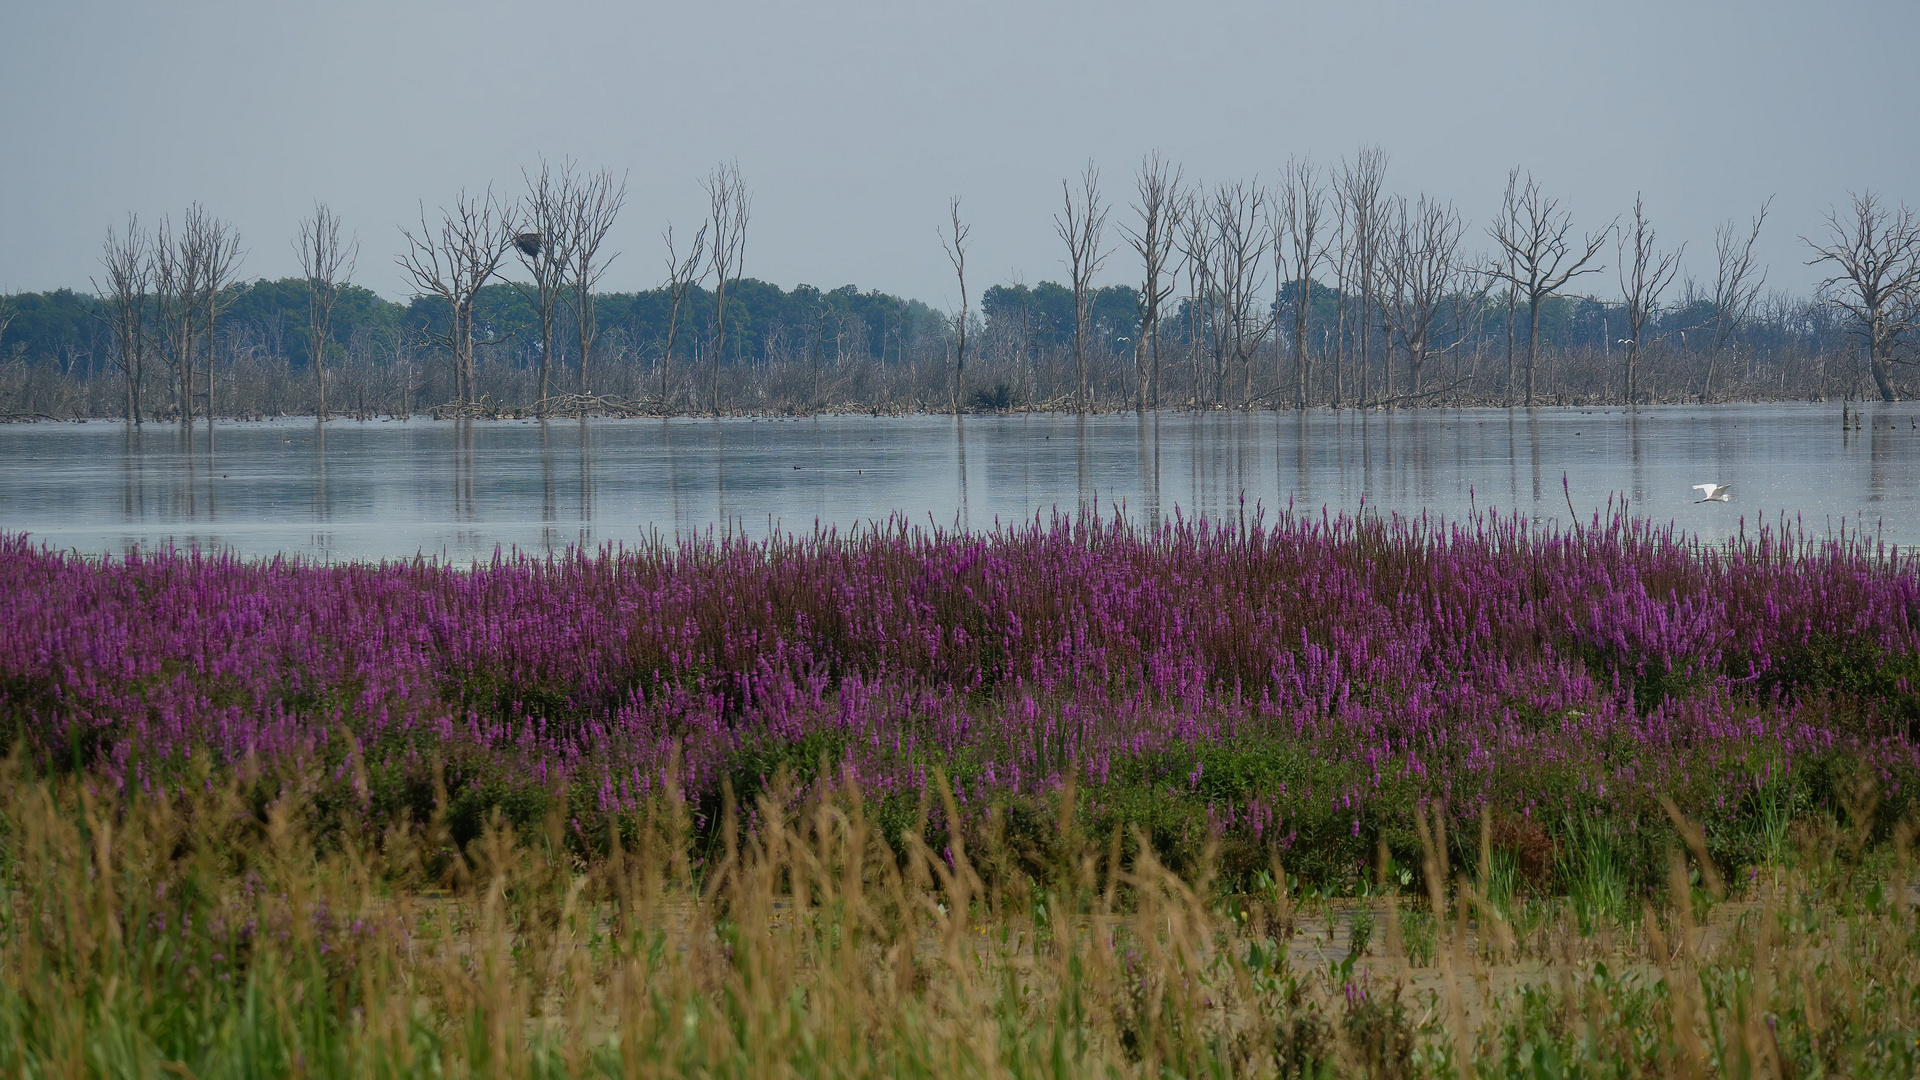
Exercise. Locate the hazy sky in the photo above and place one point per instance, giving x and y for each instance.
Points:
(854, 122)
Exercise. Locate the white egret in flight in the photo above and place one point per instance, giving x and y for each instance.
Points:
(1712, 492)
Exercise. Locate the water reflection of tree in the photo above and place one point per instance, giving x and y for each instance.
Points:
(960, 456)
(463, 441)
(586, 484)
(1880, 452)
(548, 512)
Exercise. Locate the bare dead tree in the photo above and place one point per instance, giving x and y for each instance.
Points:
(729, 208)
(1493, 273)
(1876, 258)
(1238, 216)
(1195, 240)
(682, 273)
(596, 202)
(1081, 226)
(544, 245)
(127, 260)
(1422, 277)
(1159, 213)
(454, 262)
(1361, 187)
(1738, 279)
(219, 246)
(1533, 233)
(1343, 276)
(1645, 274)
(1297, 249)
(177, 266)
(326, 264)
(399, 340)
(955, 244)
(1027, 370)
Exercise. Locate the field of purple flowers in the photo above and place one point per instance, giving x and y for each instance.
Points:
(1297, 684)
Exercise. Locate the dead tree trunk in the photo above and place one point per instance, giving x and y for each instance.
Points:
(454, 263)
(1081, 226)
(1644, 275)
(591, 211)
(1344, 261)
(1240, 246)
(1737, 282)
(1876, 257)
(220, 248)
(682, 272)
(1361, 189)
(177, 266)
(1196, 256)
(955, 244)
(326, 264)
(729, 208)
(127, 260)
(1297, 223)
(1158, 209)
(1421, 272)
(1533, 233)
(544, 245)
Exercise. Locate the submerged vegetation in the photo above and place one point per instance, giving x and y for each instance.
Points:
(1301, 796)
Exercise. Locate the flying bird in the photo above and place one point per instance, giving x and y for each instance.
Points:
(1712, 492)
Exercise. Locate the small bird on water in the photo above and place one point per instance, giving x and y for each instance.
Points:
(1712, 492)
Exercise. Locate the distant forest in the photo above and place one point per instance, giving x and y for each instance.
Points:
(1320, 290)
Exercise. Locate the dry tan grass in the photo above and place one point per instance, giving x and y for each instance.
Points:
(211, 936)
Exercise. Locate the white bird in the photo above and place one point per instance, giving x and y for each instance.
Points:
(1712, 492)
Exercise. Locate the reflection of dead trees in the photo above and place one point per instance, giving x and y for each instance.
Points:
(562, 404)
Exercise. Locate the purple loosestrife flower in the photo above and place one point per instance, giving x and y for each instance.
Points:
(1380, 661)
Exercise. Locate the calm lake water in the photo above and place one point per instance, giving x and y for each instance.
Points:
(392, 489)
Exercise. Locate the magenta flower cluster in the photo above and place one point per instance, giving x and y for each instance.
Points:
(1482, 660)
